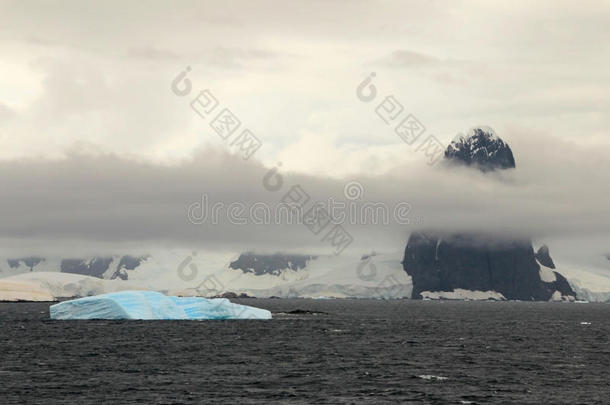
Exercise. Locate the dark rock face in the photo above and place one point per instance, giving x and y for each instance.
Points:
(30, 262)
(127, 263)
(270, 264)
(562, 285)
(482, 148)
(97, 266)
(544, 257)
(446, 262)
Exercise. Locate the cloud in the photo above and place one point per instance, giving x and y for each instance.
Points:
(88, 116)
(5, 113)
(409, 59)
(152, 53)
(557, 191)
(239, 57)
(444, 71)
(219, 57)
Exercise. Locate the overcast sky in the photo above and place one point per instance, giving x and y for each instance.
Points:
(96, 148)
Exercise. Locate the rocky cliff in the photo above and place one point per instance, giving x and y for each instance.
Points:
(444, 262)
(438, 262)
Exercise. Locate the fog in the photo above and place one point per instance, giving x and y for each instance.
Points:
(100, 155)
(97, 201)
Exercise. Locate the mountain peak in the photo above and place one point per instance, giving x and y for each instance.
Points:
(544, 257)
(481, 147)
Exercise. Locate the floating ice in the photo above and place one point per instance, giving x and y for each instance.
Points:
(461, 294)
(432, 377)
(153, 305)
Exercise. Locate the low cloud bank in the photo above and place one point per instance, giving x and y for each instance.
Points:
(89, 202)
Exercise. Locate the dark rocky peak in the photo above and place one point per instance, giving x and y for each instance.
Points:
(260, 264)
(102, 267)
(445, 262)
(544, 257)
(30, 262)
(481, 148)
(126, 263)
(95, 267)
(507, 264)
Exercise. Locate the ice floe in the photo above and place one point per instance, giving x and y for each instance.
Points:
(151, 305)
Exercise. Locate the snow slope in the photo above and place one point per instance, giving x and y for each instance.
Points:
(48, 286)
(24, 290)
(206, 273)
(336, 276)
(379, 276)
(590, 280)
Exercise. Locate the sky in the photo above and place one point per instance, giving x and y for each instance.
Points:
(99, 153)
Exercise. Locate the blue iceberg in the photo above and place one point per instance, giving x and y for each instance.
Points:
(153, 305)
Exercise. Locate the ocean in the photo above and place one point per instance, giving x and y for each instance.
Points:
(315, 351)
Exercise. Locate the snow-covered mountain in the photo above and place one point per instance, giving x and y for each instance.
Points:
(441, 262)
(480, 147)
(106, 267)
(50, 286)
(260, 264)
(435, 265)
(209, 273)
(379, 276)
(213, 273)
(590, 278)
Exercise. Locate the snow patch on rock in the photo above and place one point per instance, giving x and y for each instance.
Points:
(461, 294)
(558, 297)
(547, 274)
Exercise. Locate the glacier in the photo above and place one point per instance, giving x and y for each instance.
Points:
(149, 305)
(344, 276)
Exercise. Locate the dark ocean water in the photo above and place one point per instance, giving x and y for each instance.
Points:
(358, 351)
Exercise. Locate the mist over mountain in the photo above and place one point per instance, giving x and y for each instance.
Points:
(475, 192)
(444, 262)
(96, 204)
(256, 201)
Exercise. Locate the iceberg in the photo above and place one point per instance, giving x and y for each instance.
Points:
(153, 305)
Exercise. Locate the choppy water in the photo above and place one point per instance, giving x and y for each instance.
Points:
(359, 351)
